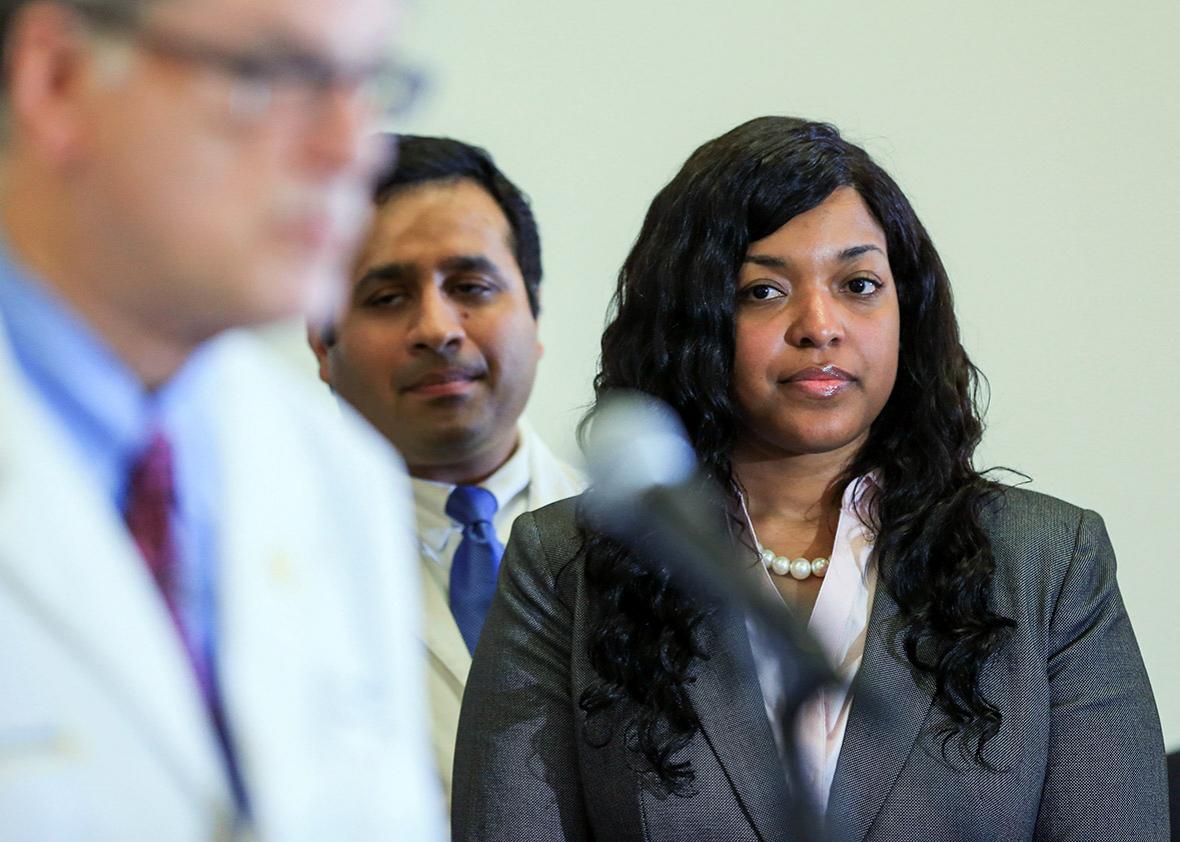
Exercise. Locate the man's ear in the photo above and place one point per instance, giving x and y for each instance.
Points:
(537, 318)
(321, 340)
(50, 70)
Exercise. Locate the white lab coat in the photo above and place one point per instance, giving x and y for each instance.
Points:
(103, 734)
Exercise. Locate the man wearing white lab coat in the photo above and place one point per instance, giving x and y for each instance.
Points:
(438, 348)
(247, 667)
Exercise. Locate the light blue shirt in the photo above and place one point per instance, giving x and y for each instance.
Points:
(110, 417)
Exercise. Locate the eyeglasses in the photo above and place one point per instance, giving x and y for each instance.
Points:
(264, 84)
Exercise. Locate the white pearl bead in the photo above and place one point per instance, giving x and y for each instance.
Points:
(767, 557)
(800, 568)
(819, 567)
(782, 565)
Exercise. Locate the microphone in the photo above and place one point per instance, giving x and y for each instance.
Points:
(647, 493)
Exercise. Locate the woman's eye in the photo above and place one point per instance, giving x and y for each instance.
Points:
(761, 292)
(863, 286)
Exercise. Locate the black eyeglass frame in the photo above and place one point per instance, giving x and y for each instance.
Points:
(393, 87)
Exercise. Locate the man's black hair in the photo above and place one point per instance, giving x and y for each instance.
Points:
(421, 160)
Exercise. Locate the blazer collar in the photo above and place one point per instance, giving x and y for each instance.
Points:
(881, 732)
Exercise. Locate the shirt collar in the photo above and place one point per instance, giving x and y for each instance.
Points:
(105, 408)
(860, 498)
(430, 498)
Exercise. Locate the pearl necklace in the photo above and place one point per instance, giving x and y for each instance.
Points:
(799, 568)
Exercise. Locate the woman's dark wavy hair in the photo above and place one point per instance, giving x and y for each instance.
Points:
(672, 336)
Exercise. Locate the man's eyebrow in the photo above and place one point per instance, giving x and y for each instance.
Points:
(396, 272)
(470, 263)
(408, 272)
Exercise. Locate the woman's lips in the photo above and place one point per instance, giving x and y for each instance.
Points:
(825, 381)
(820, 388)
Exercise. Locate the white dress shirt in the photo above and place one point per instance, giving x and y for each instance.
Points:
(838, 623)
(439, 535)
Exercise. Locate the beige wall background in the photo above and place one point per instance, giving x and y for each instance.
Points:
(1039, 142)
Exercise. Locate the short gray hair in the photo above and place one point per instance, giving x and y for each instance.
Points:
(103, 13)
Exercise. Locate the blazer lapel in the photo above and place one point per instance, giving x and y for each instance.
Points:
(886, 718)
(728, 700)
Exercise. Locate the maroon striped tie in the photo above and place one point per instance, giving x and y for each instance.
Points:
(148, 513)
(150, 499)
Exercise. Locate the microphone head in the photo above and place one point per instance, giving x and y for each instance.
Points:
(634, 444)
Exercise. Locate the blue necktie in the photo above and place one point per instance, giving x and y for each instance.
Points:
(476, 561)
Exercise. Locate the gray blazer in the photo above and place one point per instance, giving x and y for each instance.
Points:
(1079, 755)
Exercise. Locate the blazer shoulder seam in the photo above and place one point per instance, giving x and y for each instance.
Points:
(1073, 557)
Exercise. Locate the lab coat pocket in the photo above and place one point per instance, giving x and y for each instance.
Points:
(40, 746)
(40, 766)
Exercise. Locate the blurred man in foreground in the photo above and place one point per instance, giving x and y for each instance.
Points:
(438, 348)
(207, 624)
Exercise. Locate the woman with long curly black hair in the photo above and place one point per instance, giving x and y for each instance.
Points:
(785, 300)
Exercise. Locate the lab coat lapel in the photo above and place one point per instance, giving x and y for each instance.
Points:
(294, 656)
(441, 633)
(549, 479)
(66, 554)
(548, 482)
(269, 645)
